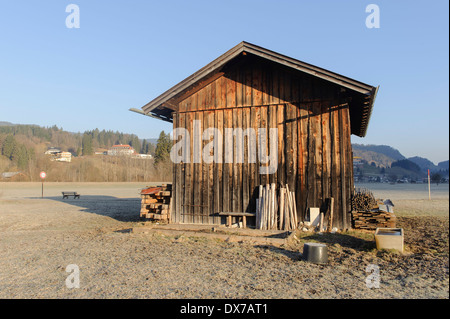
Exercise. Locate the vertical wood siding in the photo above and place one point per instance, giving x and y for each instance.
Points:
(314, 149)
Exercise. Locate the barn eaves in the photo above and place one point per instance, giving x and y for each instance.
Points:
(361, 96)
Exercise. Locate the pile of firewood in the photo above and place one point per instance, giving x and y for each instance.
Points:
(155, 202)
(369, 213)
(373, 219)
(363, 200)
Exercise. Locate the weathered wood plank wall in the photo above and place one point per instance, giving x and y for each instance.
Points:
(314, 150)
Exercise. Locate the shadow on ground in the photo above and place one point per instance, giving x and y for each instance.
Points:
(348, 243)
(344, 240)
(294, 255)
(121, 209)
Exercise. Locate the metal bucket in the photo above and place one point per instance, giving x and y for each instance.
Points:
(315, 253)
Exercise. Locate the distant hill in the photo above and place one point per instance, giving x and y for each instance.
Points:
(2, 123)
(424, 164)
(152, 140)
(408, 165)
(443, 165)
(386, 150)
(381, 155)
(385, 156)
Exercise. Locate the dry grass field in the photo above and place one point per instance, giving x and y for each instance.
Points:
(40, 237)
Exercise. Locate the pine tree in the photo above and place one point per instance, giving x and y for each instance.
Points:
(151, 149)
(144, 147)
(135, 143)
(20, 156)
(87, 145)
(163, 147)
(8, 146)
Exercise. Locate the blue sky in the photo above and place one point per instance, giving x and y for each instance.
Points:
(126, 53)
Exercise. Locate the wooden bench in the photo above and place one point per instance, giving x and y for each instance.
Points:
(67, 194)
(234, 214)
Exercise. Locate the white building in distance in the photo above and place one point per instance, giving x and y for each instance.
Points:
(117, 150)
(64, 157)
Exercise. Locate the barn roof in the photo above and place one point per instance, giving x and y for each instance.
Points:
(363, 95)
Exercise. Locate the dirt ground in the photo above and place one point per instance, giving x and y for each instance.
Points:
(40, 237)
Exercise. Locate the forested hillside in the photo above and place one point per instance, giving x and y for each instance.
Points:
(76, 143)
(22, 149)
(381, 155)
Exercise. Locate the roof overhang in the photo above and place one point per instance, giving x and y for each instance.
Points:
(161, 106)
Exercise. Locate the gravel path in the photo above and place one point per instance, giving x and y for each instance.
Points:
(39, 238)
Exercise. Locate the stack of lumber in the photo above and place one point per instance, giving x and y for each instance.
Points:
(373, 219)
(266, 207)
(366, 212)
(276, 212)
(155, 202)
(288, 209)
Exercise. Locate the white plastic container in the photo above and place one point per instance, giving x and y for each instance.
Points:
(389, 238)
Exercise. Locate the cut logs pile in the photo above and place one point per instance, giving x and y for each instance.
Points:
(155, 202)
(276, 212)
(363, 200)
(369, 213)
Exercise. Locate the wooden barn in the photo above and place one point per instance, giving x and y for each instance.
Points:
(249, 90)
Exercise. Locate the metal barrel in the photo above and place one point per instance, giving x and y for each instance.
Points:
(315, 253)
